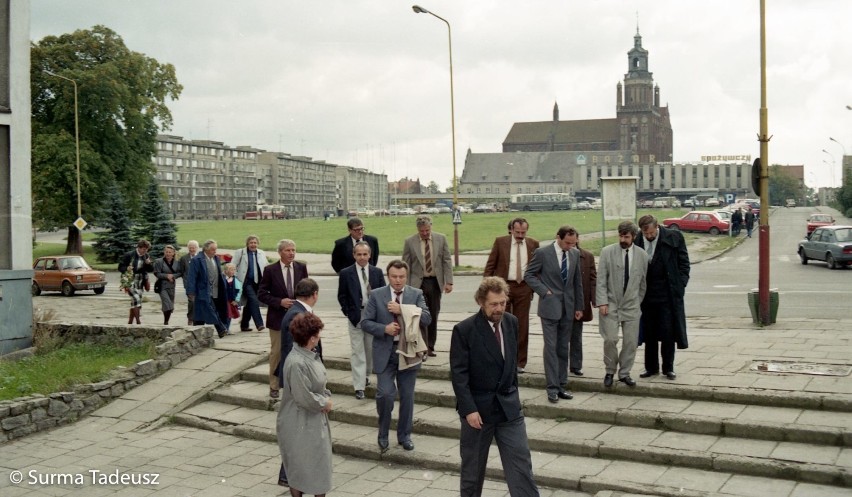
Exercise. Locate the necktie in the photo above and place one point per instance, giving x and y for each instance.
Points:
(250, 272)
(626, 269)
(518, 276)
(649, 247)
(288, 282)
(427, 254)
(498, 337)
(366, 281)
(564, 267)
(398, 300)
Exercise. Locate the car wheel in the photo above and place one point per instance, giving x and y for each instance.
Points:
(714, 231)
(36, 290)
(803, 257)
(674, 227)
(67, 289)
(100, 290)
(829, 259)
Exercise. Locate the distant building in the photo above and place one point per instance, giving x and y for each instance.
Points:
(405, 186)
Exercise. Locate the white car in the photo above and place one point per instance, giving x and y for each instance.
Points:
(408, 211)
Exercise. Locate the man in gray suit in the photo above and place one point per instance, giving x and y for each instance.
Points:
(554, 274)
(430, 269)
(381, 318)
(620, 289)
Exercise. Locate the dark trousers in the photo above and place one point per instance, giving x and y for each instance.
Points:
(658, 332)
(252, 308)
(520, 299)
(576, 344)
(432, 295)
(386, 388)
(514, 454)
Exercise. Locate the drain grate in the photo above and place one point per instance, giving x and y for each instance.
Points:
(800, 368)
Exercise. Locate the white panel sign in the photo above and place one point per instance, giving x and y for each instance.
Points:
(619, 197)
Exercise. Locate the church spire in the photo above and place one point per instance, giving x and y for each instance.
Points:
(555, 112)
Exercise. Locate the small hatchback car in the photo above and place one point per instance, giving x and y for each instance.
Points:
(66, 274)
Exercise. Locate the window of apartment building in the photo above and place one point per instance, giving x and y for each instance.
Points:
(179, 162)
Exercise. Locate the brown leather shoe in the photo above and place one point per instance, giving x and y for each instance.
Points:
(273, 393)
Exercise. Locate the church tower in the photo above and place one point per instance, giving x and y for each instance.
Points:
(644, 127)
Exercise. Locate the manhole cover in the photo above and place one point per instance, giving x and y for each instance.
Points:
(801, 368)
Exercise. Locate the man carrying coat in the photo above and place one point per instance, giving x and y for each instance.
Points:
(205, 287)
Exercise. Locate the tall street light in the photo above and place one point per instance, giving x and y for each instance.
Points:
(420, 10)
(76, 142)
(833, 165)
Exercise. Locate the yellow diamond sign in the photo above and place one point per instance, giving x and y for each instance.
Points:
(80, 223)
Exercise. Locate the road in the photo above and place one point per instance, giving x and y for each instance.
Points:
(720, 286)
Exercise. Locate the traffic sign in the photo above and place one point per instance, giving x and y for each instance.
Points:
(457, 217)
(80, 223)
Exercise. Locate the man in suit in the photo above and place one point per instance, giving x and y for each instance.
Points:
(206, 287)
(663, 314)
(341, 255)
(381, 318)
(307, 294)
(554, 274)
(277, 291)
(356, 282)
(485, 382)
(192, 247)
(250, 262)
(508, 259)
(621, 269)
(590, 277)
(431, 270)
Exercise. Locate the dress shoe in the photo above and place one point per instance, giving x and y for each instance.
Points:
(628, 381)
(552, 398)
(671, 375)
(576, 372)
(260, 328)
(284, 483)
(273, 393)
(521, 370)
(407, 445)
(432, 354)
(647, 374)
(359, 394)
(565, 394)
(245, 329)
(383, 445)
(608, 380)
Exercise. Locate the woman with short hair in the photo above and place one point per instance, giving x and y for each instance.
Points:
(167, 269)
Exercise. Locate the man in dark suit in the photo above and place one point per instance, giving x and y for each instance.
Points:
(341, 255)
(277, 291)
(509, 257)
(381, 318)
(482, 359)
(589, 275)
(205, 287)
(554, 274)
(663, 314)
(250, 262)
(427, 255)
(353, 291)
(192, 248)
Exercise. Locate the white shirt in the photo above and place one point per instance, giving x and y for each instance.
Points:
(559, 255)
(513, 249)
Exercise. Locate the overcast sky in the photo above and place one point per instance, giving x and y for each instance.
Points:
(366, 82)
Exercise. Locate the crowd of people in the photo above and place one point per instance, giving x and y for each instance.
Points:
(637, 286)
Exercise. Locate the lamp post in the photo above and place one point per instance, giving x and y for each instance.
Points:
(77, 149)
(833, 165)
(420, 10)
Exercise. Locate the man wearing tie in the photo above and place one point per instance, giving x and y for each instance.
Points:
(353, 292)
(382, 319)
(250, 262)
(485, 381)
(277, 291)
(341, 255)
(430, 269)
(508, 259)
(620, 289)
(554, 274)
(205, 287)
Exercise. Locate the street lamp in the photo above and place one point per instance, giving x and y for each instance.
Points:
(833, 164)
(77, 147)
(420, 10)
(837, 142)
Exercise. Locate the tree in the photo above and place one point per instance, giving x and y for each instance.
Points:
(116, 239)
(843, 196)
(783, 186)
(155, 222)
(433, 187)
(121, 106)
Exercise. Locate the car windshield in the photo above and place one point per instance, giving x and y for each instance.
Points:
(844, 235)
(821, 219)
(74, 263)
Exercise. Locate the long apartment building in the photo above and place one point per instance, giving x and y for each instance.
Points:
(210, 180)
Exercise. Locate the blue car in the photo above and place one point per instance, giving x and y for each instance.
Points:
(832, 244)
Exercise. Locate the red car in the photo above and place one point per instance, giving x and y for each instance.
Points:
(702, 221)
(818, 220)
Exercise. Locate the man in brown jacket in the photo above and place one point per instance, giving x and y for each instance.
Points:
(508, 260)
(590, 278)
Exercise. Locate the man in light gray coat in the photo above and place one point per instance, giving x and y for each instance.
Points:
(620, 290)
(250, 262)
(554, 274)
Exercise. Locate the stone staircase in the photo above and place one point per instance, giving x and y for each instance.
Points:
(657, 438)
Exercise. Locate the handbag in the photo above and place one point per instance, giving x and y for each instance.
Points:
(233, 310)
(158, 286)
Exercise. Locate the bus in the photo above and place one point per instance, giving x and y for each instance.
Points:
(541, 201)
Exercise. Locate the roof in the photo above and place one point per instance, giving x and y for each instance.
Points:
(579, 131)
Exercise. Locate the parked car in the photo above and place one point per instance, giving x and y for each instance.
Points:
(408, 211)
(818, 220)
(712, 202)
(444, 209)
(485, 208)
(701, 221)
(647, 204)
(66, 274)
(832, 244)
(582, 206)
(791, 202)
(689, 203)
(724, 215)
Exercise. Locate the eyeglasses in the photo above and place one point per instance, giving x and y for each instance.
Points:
(358, 229)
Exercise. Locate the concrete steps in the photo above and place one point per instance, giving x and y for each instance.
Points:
(624, 441)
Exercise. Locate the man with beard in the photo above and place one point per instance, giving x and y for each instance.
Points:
(620, 289)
